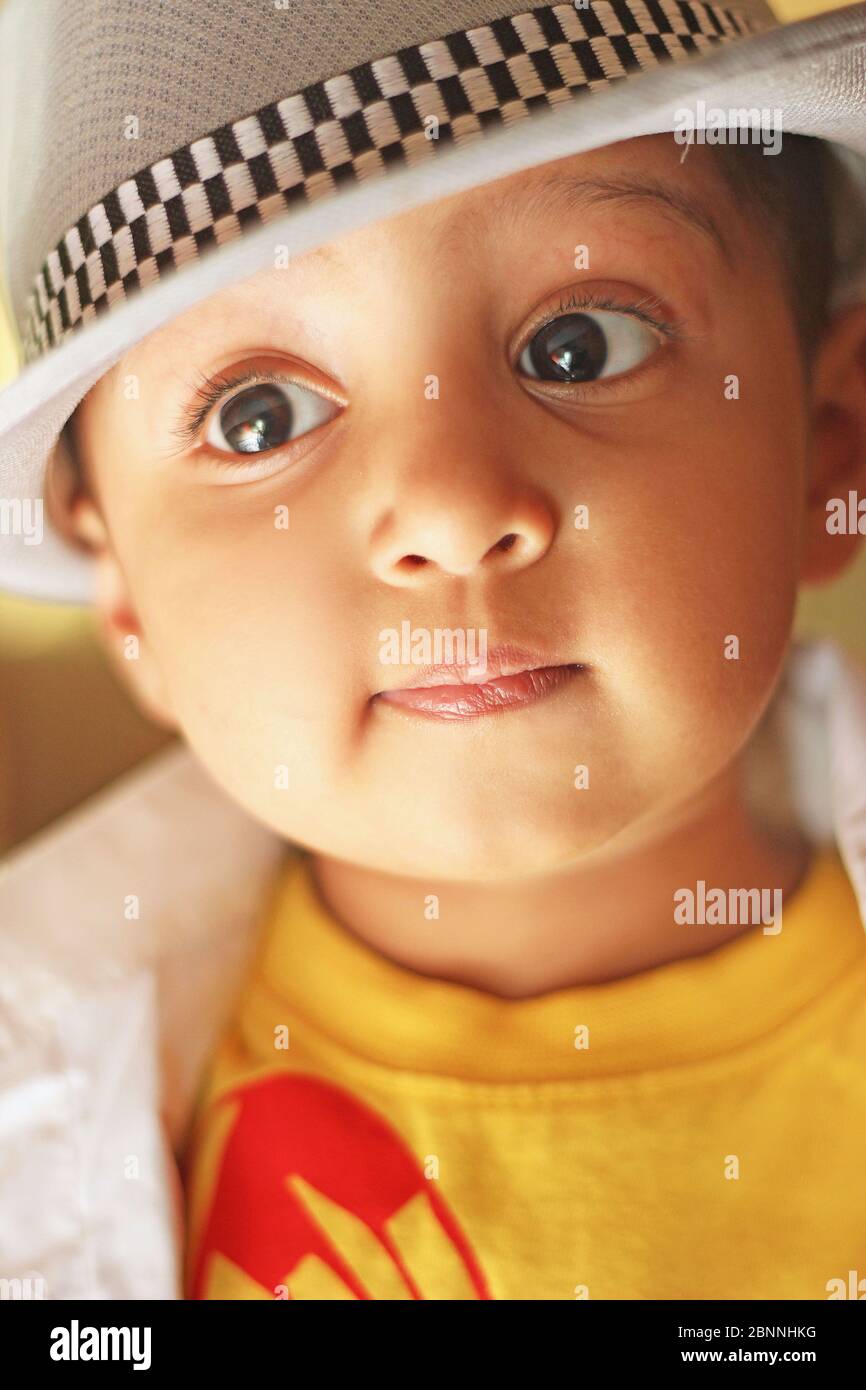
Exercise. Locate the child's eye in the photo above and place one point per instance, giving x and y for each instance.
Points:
(267, 415)
(586, 346)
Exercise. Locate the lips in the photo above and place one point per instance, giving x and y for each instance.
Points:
(510, 679)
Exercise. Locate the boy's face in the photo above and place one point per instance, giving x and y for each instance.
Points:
(425, 469)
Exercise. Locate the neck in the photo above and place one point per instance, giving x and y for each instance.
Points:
(602, 918)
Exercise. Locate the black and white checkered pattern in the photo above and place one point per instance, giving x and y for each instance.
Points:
(351, 126)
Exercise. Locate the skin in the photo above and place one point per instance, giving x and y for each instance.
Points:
(260, 645)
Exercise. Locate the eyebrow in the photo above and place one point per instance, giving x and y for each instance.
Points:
(568, 193)
(554, 195)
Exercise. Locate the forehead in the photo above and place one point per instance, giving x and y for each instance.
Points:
(645, 175)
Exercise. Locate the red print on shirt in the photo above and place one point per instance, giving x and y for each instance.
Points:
(287, 1124)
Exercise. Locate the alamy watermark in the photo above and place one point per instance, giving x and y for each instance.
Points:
(23, 1288)
(22, 516)
(846, 518)
(433, 646)
(734, 125)
(77, 1343)
(719, 907)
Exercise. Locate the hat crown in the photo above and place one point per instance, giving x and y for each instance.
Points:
(108, 87)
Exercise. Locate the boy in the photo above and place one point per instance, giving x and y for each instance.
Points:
(492, 1057)
(462, 551)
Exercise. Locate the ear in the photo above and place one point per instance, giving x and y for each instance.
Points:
(76, 512)
(835, 521)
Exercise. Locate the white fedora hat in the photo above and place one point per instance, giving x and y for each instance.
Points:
(151, 155)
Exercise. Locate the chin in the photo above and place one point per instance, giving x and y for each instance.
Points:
(501, 847)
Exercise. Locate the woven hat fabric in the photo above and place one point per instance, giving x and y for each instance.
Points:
(117, 208)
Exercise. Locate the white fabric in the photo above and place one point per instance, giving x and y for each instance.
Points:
(106, 1020)
(106, 1023)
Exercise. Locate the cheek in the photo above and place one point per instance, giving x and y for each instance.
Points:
(691, 582)
(253, 642)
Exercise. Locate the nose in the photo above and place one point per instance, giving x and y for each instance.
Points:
(459, 512)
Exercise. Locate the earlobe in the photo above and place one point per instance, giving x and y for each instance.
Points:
(833, 528)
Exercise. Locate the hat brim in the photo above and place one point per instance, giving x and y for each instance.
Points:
(813, 71)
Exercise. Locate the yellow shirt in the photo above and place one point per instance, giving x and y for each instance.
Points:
(368, 1132)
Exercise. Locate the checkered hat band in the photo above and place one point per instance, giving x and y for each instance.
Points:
(349, 127)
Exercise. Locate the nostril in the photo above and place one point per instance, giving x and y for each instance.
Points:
(412, 562)
(507, 542)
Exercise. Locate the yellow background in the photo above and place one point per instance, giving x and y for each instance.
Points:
(66, 728)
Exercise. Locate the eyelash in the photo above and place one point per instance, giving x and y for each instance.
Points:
(642, 310)
(212, 390)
